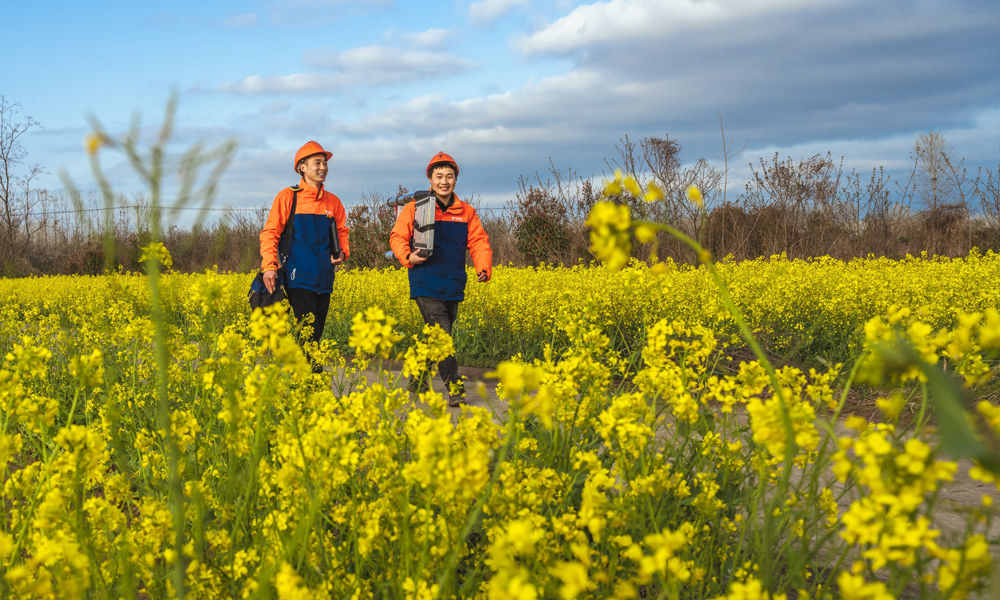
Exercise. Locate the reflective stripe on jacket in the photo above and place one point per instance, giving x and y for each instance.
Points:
(456, 230)
(308, 265)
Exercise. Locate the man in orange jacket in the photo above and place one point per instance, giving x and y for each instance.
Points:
(437, 283)
(308, 269)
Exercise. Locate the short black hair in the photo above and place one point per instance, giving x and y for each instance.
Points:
(444, 165)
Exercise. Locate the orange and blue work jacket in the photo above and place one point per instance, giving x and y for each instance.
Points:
(456, 229)
(308, 262)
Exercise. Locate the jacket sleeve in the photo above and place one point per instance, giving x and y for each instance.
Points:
(479, 247)
(273, 229)
(402, 234)
(340, 215)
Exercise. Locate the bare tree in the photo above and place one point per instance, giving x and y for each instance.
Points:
(868, 213)
(657, 160)
(931, 157)
(12, 154)
(989, 197)
(631, 163)
(31, 204)
(793, 204)
(943, 187)
(662, 156)
(628, 161)
(16, 194)
(727, 153)
(709, 180)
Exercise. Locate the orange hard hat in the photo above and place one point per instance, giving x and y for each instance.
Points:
(308, 150)
(441, 159)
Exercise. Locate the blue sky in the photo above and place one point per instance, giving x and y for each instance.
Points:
(503, 85)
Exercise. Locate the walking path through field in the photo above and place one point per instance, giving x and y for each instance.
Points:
(954, 499)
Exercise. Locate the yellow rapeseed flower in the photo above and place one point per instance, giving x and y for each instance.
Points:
(372, 333)
(654, 192)
(158, 252)
(609, 234)
(694, 196)
(632, 186)
(92, 143)
(645, 233)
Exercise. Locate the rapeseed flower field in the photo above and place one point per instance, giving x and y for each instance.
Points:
(809, 309)
(160, 441)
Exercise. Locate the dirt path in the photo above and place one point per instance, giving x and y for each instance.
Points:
(955, 497)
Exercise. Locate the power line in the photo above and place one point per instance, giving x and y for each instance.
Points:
(234, 209)
(136, 206)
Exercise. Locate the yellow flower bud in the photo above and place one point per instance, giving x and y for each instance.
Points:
(857, 423)
(6, 545)
(613, 188)
(645, 233)
(158, 252)
(654, 192)
(694, 196)
(632, 186)
(92, 143)
(609, 233)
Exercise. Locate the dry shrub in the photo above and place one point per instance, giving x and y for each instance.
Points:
(498, 226)
(541, 226)
(370, 223)
(726, 230)
(945, 228)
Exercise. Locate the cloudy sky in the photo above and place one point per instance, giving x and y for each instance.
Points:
(502, 85)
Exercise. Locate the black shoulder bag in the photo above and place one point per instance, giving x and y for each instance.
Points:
(258, 295)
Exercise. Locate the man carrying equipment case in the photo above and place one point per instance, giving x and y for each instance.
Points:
(437, 273)
(316, 240)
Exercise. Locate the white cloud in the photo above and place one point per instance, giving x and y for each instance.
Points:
(284, 84)
(788, 77)
(242, 21)
(494, 148)
(550, 102)
(389, 63)
(430, 39)
(364, 66)
(487, 10)
(621, 20)
(558, 116)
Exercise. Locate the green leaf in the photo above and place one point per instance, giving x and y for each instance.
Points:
(950, 402)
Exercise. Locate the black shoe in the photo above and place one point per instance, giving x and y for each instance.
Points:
(456, 393)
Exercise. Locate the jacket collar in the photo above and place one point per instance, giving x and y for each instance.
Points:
(310, 189)
(455, 203)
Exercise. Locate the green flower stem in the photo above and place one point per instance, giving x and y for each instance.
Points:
(444, 580)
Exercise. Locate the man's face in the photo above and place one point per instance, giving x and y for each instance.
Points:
(314, 168)
(442, 181)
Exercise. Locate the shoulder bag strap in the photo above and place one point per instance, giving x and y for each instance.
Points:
(286, 236)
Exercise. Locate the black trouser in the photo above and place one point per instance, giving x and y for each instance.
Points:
(307, 302)
(443, 313)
